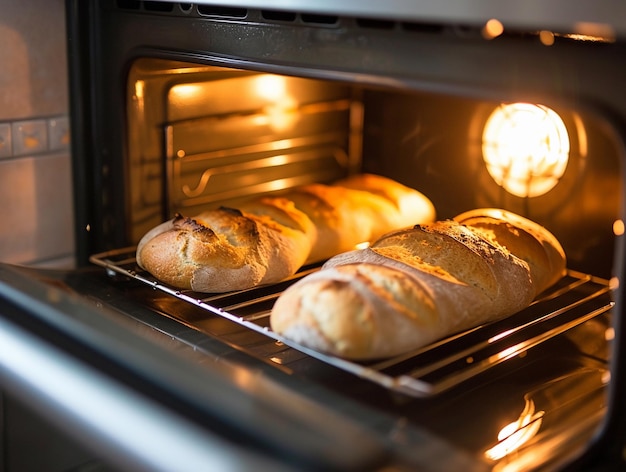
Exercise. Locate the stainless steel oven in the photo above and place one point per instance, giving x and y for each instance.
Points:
(178, 107)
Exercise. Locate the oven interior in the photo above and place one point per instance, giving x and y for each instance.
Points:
(201, 136)
(205, 136)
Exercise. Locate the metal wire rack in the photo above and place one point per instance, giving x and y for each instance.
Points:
(425, 372)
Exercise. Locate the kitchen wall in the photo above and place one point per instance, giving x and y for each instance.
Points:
(36, 215)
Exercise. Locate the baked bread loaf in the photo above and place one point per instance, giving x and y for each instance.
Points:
(358, 210)
(268, 239)
(410, 207)
(227, 249)
(417, 285)
(528, 240)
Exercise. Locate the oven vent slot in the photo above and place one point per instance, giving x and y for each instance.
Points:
(319, 19)
(289, 18)
(278, 15)
(281, 16)
(375, 23)
(239, 318)
(226, 12)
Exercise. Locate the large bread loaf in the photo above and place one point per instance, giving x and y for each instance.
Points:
(269, 238)
(414, 286)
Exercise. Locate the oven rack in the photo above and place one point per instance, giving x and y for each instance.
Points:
(425, 372)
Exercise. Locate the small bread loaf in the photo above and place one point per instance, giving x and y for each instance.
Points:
(414, 286)
(358, 210)
(269, 238)
(225, 249)
(410, 207)
(346, 217)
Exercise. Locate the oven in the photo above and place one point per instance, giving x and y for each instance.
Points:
(178, 107)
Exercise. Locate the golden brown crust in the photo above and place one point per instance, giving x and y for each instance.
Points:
(410, 206)
(361, 303)
(221, 250)
(524, 238)
(268, 238)
(323, 205)
(358, 210)
(461, 276)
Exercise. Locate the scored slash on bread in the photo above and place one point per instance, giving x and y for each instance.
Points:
(417, 285)
(528, 240)
(269, 238)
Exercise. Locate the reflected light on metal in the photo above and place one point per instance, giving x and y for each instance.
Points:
(525, 148)
(514, 435)
(546, 38)
(596, 32)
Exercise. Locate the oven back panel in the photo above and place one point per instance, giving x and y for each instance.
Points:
(204, 136)
(415, 115)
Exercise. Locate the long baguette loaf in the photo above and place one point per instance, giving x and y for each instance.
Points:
(267, 239)
(414, 286)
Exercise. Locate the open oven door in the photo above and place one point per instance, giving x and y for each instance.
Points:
(143, 398)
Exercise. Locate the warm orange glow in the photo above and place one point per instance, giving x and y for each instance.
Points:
(618, 227)
(596, 32)
(609, 334)
(514, 435)
(185, 91)
(546, 38)
(525, 148)
(139, 88)
(492, 29)
(270, 87)
(279, 113)
(281, 116)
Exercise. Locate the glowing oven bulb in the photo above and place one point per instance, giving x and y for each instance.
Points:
(525, 148)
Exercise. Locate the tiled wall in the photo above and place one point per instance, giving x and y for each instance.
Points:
(35, 176)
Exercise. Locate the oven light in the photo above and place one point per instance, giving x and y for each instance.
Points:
(514, 435)
(525, 148)
(492, 29)
(183, 92)
(280, 111)
(546, 38)
(139, 88)
(270, 87)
